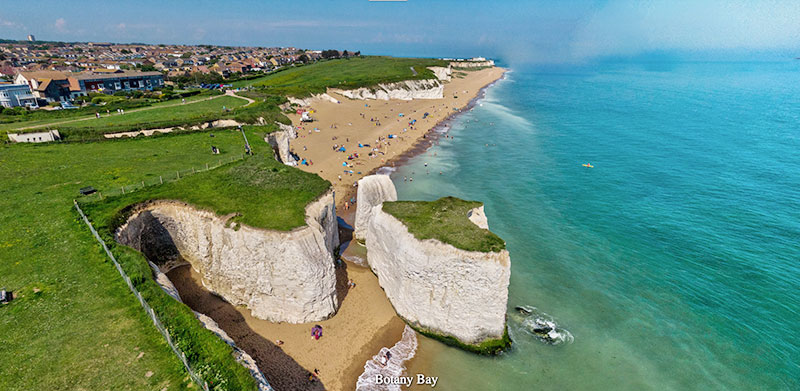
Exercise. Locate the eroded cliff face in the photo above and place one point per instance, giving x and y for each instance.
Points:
(372, 191)
(433, 285)
(404, 90)
(472, 64)
(436, 286)
(280, 142)
(280, 276)
(442, 73)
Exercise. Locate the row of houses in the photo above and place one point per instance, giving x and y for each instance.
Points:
(54, 86)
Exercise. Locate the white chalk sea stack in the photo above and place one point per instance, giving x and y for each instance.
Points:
(434, 286)
(281, 276)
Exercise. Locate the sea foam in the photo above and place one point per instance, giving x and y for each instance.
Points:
(402, 351)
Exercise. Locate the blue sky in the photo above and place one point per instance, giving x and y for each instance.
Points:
(514, 30)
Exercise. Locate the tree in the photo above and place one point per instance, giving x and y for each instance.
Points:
(186, 55)
(345, 54)
(303, 58)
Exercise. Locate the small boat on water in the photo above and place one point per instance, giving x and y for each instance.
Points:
(588, 165)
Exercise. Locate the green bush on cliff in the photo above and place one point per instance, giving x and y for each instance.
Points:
(445, 220)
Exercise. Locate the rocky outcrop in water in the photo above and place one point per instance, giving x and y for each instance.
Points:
(404, 90)
(281, 276)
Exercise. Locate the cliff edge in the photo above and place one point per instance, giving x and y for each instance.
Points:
(281, 276)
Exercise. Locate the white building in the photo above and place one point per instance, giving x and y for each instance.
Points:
(39, 137)
(13, 95)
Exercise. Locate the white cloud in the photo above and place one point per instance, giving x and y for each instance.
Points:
(60, 25)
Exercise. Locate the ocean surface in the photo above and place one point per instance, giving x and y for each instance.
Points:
(674, 262)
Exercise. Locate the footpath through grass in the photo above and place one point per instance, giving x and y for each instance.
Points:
(74, 324)
(445, 220)
(40, 118)
(345, 74)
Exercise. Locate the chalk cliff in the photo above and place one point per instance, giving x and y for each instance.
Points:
(433, 285)
(404, 90)
(438, 287)
(442, 73)
(280, 276)
(472, 64)
(372, 191)
(280, 142)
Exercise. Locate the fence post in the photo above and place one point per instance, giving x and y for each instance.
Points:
(206, 166)
(123, 189)
(192, 169)
(142, 183)
(178, 352)
(178, 174)
(161, 179)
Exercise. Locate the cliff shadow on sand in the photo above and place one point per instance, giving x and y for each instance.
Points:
(281, 370)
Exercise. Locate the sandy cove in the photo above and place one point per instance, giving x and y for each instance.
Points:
(366, 320)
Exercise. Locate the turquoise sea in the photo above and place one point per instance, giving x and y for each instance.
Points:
(674, 262)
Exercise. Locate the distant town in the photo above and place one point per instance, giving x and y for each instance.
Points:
(37, 74)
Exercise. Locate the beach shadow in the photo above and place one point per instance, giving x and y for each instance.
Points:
(281, 370)
(345, 236)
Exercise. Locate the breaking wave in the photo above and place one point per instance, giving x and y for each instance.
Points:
(543, 326)
(402, 351)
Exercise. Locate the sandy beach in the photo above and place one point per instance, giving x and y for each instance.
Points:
(366, 320)
(351, 122)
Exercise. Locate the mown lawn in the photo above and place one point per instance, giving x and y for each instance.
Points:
(43, 118)
(74, 325)
(445, 220)
(346, 74)
(150, 119)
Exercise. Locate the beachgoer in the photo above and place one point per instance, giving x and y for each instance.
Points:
(351, 284)
(278, 342)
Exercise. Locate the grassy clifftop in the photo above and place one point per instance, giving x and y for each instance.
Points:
(346, 74)
(445, 220)
(264, 192)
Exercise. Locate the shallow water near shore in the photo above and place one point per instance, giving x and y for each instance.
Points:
(673, 262)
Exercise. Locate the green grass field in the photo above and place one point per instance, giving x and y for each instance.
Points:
(346, 74)
(74, 325)
(150, 119)
(42, 118)
(445, 220)
(265, 192)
